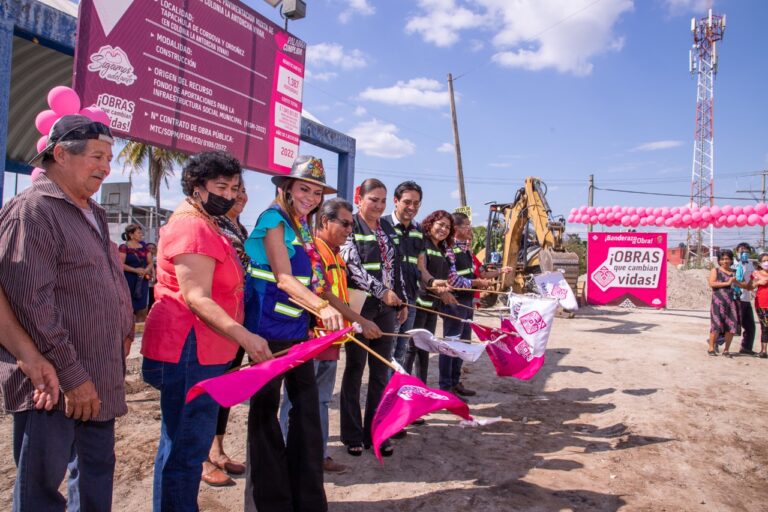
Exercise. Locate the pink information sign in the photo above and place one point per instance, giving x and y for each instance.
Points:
(194, 76)
(627, 269)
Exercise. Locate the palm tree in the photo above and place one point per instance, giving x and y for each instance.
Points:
(160, 164)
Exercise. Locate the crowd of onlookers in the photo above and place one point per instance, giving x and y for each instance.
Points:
(738, 284)
(219, 293)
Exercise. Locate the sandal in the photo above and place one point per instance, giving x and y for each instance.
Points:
(386, 449)
(727, 354)
(712, 353)
(355, 450)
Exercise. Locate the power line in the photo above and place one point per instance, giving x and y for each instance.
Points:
(668, 195)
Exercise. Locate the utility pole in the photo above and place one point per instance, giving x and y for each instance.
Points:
(762, 200)
(459, 169)
(591, 196)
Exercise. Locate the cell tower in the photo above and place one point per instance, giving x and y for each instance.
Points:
(703, 63)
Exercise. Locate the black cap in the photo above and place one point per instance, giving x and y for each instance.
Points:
(306, 168)
(74, 127)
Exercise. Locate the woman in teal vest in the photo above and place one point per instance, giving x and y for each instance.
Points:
(373, 266)
(285, 267)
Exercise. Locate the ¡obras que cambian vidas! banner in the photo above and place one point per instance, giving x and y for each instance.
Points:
(627, 267)
(194, 76)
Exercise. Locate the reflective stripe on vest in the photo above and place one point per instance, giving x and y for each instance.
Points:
(359, 237)
(415, 233)
(464, 272)
(266, 275)
(411, 259)
(456, 250)
(285, 309)
(432, 252)
(424, 303)
(372, 266)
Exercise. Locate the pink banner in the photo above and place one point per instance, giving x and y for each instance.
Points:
(194, 76)
(510, 354)
(627, 269)
(406, 399)
(235, 387)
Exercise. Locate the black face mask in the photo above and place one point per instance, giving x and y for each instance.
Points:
(217, 205)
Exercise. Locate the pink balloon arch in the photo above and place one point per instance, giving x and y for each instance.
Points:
(678, 217)
(62, 101)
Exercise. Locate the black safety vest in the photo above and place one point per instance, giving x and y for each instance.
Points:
(465, 267)
(370, 253)
(439, 266)
(411, 245)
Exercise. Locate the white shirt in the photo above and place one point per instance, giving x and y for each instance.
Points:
(746, 295)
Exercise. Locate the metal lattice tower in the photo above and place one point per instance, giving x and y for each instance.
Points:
(703, 63)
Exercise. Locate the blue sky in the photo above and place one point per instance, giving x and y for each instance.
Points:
(558, 89)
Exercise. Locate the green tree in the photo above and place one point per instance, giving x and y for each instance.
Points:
(478, 238)
(574, 243)
(159, 163)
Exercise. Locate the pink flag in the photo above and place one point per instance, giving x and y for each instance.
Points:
(232, 388)
(406, 399)
(510, 354)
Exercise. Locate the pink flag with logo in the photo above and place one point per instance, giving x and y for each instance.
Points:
(510, 354)
(232, 388)
(406, 399)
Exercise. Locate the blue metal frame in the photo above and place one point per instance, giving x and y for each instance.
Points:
(49, 27)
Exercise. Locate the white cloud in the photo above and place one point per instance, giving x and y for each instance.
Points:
(455, 193)
(418, 92)
(361, 7)
(324, 76)
(375, 138)
(696, 7)
(442, 20)
(445, 147)
(564, 35)
(658, 145)
(360, 111)
(334, 55)
(500, 165)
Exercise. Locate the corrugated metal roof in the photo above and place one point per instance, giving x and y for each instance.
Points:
(35, 70)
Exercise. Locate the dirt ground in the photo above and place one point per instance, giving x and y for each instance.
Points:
(628, 413)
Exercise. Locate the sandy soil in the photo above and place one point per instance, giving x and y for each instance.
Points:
(628, 413)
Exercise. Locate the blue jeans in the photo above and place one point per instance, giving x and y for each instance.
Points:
(450, 367)
(401, 344)
(186, 430)
(325, 374)
(45, 445)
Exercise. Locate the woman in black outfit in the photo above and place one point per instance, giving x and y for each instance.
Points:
(373, 266)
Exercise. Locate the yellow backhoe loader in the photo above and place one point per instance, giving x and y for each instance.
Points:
(525, 236)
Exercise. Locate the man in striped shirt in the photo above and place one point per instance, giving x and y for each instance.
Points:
(64, 282)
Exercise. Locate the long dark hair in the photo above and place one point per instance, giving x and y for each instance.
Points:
(429, 221)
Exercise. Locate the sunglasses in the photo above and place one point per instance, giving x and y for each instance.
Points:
(346, 224)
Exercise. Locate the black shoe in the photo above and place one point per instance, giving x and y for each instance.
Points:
(747, 352)
(762, 355)
(400, 434)
(461, 390)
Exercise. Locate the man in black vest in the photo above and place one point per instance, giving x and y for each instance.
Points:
(407, 203)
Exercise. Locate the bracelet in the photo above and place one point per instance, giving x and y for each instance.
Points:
(429, 283)
(322, 305)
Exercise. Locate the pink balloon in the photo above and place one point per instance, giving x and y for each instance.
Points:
(574, 211)
(634, 218)
(706, 216)
(36, 172)
(704, 209)
(616, 208)
(741, 220)
(675, 210)
(41, 143)
(63, 100)
(570, 218)
(696, 216)
(590, 210)
(665, 212)
(753, 219)
(599, 210)
(651, 219)
(738, 210)
(715, 211)
(625, 220)
(718, 223)
(761, 208)
(631, 210)
(657, 211)
(593, 219)
(727, 209)
(643, 211)
(583, 209)
(765, 219)
(684, 210)
(601, 218)
(686, 218)
(101, 117)
(730, 219)
(45, 120)
(643, 221)
(749, 210)
(98, 115)
(659, 221)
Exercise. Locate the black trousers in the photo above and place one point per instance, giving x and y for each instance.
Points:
(747, 325)
(426, 321)
(223, 419)
(286, 476)
(355, 428)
